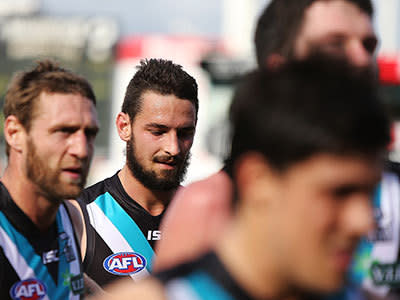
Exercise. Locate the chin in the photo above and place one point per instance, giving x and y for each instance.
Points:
(324, 282)
(331, 285)
(71, 192)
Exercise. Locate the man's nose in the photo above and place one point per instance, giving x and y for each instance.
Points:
(171, 144)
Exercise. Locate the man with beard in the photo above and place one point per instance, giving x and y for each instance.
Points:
(50, 126)
(123, 212)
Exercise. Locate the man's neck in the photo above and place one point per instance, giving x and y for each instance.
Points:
(153, 201)
(259, 277)
(27, 197)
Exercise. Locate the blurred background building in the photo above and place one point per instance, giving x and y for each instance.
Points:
(211, 39)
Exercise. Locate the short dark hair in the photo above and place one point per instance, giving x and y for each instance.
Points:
(160, 76)
(306, 108)
(47, 76)
(280, 22)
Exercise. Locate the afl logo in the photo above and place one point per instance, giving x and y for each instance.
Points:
(28, 289)
(124, 263)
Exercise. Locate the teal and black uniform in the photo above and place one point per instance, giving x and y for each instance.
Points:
(376, 264)
(204, 278)
(33, 264)
(121, 233)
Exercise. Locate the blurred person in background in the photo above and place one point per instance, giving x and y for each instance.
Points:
(50, 127)
(121, 214)
(307, 152)
(286, 30)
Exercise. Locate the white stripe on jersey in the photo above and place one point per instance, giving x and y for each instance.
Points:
(74, 266)
(111, 235)
(179, 289)
(16, 260)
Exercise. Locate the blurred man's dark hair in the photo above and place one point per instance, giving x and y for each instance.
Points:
(280, 22)
(316, 106)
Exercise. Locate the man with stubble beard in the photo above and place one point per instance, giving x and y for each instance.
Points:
(122, 213)
(50, 126)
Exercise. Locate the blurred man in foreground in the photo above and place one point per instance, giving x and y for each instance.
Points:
(50, 126)
(307, 153)
(286, 30)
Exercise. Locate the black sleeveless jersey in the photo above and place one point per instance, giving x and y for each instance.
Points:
(33, 264)
(121, 233)
(206, 278)
(203, 278)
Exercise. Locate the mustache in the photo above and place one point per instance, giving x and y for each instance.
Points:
(81, 165)
(168, 159)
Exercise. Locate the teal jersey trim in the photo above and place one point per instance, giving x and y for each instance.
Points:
(126, 226)
(359, 270)
(59, 291)
(206, 287)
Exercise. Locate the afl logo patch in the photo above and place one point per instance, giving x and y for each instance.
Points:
(124, 263)
(28, 289)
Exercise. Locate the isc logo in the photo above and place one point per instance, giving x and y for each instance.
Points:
(28, 289)
(124, 263)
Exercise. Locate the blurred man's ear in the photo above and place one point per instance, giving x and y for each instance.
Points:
(124, 126)
(274, 61)
(14, 133)
(256, 181)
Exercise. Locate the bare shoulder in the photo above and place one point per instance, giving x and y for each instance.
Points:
(213, 181)
(196, 218)
(211, 191)
(149, 289)
(78, 222)
(76, 214)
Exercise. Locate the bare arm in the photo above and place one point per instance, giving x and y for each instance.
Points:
(126, 289)
(194, 220)
(78, 222)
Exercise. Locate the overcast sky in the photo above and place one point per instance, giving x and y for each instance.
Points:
(154, 16)
(202, 17)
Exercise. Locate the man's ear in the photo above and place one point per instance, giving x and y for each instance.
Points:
(256, 180)
(14, 133)
(124, 126)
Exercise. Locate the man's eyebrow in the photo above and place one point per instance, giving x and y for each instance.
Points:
(191, 127)
(155, 125)
(64, 126)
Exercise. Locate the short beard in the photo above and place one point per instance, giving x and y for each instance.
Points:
(152, 181)
(48, 180)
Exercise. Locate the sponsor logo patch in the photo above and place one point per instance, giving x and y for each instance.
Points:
(124, 263)
(28, 289)
(77, 284)
(385, 274)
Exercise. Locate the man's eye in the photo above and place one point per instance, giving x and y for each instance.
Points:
(344, 191)
(157, 133)
(186, 133)
(91, 133)
(370, 45)
(334, 46)
(66, 130)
